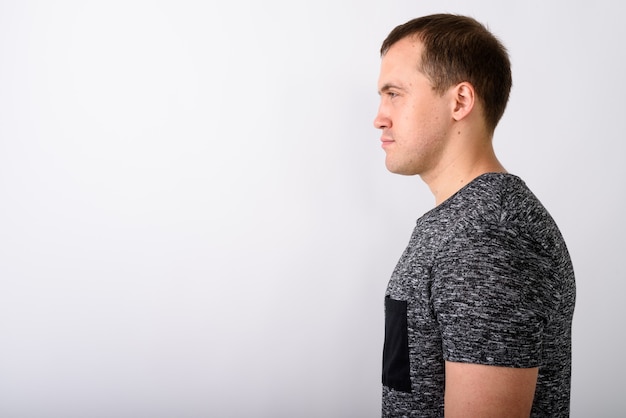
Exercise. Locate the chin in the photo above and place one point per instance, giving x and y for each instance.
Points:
(401, 171)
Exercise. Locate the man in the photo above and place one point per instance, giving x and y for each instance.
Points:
(479, 308)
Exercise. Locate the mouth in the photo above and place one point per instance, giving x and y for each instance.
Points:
(386, 142)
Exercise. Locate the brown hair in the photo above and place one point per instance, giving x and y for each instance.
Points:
(456, 49)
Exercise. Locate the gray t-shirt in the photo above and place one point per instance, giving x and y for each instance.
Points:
(486, 279)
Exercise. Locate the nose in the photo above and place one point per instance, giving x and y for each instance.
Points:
(381, 121)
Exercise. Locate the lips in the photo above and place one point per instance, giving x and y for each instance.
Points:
(386, 142)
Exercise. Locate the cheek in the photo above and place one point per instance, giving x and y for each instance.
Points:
(411, 121)
(433, 123)
(421, 122)
(418, 126)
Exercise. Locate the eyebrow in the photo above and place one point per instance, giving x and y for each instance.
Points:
(388, 86)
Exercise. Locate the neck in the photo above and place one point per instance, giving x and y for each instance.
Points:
(460, 167)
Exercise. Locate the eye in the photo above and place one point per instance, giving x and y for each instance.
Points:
(392, 94)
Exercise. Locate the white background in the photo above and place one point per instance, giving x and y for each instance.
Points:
(195, 217)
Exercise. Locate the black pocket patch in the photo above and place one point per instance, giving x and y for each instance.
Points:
(396, 366)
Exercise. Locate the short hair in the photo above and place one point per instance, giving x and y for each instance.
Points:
(456, 49)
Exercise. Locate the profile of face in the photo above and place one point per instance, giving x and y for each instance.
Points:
(415, 120)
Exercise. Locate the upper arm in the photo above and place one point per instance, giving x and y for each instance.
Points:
(474, 390)
(492, 297)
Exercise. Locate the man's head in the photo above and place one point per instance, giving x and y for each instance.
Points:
(459, 49)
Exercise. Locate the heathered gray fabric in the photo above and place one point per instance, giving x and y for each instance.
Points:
(487, 279)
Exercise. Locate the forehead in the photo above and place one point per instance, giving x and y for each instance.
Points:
(409, 45)
(401, 60)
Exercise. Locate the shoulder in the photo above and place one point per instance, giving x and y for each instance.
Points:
(502, 202)
(495, 198)
(497, 217)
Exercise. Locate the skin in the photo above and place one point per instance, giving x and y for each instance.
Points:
(443, 138)
(475, 390)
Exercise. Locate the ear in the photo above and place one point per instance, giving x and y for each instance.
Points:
(464, 100)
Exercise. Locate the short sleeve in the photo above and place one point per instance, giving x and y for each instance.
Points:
(492, 296)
